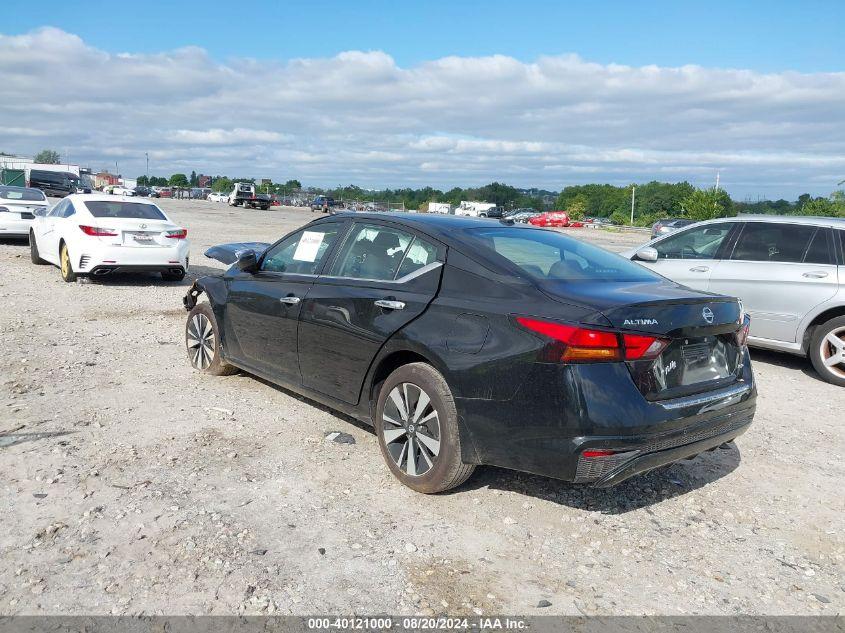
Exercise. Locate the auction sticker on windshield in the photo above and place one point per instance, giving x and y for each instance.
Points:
(309, 244)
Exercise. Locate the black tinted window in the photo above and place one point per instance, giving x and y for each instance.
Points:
(781, 242)
(550, 256)
(819, 250)
(120, 209)
(372, 251)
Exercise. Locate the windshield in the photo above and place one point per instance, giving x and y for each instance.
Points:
(121, 209)
(21, 193)
(549, 256)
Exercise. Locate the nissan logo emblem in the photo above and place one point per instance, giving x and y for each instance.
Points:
(707, 313)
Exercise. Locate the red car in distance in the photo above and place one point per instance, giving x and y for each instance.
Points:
(551, 218)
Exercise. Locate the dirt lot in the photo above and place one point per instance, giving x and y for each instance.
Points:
(131, 484)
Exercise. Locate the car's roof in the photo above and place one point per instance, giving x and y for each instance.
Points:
(436, 224)
(812, 220)
(21, 189)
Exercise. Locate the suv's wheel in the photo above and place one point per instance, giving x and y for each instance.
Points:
(417, 427)
(34, 255)
(67, 269)
(827, 350)
(202, 340)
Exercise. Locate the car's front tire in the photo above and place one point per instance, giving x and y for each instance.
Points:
(34, 255)
(417, 427)
(827, 351)
(202, 341)
(64, 264)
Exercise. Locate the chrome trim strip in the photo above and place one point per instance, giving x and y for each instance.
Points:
(691, 401)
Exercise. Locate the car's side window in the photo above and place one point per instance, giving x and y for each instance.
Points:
(302, 252)
(372, 251)
(69, 210)
(58, 210)
(421, 253)
(819, 251)
(701, 242)
(773, 242)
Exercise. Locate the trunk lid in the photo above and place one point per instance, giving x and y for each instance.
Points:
(701, 328)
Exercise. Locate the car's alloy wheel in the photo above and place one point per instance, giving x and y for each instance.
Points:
(832, 351)
(201, 341)
(64, 260)
(827, 351)
(416, 423)
(411, 430)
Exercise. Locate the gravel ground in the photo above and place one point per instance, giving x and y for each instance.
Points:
(131, 484)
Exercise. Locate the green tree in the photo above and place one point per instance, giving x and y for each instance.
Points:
(577, 209)
(293, 184)
(178, 180)
(222, 185)
(48, 157)
(706, 204)
(193, 180)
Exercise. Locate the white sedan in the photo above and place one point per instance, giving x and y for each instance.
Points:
(217, 197)
(18, 206)
(99, 235)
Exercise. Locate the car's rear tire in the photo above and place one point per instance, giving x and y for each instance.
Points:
(827, 351)
(34, 255)
(202, 341)
(64, 264)
(416, 415)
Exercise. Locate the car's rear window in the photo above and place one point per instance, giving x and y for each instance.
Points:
(121, 209)
(549, 256)
(20, 193)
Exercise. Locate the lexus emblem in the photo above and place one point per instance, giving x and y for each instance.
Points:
(707, 313)
(143, 226)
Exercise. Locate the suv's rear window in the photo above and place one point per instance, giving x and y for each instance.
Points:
(120, 209)
(21, 193)
(549, 256)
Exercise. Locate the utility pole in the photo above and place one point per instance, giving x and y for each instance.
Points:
(633, 197)
(717, 180)
(147, 173)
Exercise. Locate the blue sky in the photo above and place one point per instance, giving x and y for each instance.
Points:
(766, 36)
(390, 94)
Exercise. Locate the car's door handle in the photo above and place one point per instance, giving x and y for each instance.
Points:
(390, 304)
(699, 269)
(291, 301)
(816, 275)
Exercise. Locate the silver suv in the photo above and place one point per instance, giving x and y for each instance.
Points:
(787, 270)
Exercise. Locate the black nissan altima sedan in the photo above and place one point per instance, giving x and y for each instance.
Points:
(467, 341)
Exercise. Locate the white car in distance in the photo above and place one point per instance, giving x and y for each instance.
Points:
(217, 197)
(99, 235)
(18, 206)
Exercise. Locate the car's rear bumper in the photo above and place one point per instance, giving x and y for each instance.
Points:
(116, 269)
(14, 228)
(104, 260)
(545, 431)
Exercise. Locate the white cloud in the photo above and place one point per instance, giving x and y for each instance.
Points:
(358, 117)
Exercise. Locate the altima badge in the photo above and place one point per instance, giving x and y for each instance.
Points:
(707, 313)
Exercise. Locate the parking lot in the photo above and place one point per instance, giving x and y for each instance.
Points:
(132, 484)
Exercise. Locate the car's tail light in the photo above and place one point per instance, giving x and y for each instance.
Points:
(97, 231)
(4, 209)
(179, 234)
(597, 453)
(742, 332)
(572, 343)
(640, 347)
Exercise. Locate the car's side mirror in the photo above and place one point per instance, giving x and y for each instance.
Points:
(247, 260)
(41, 211)
(647, 254)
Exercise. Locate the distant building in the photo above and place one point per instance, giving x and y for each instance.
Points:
(104, 178)
(203, 181)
